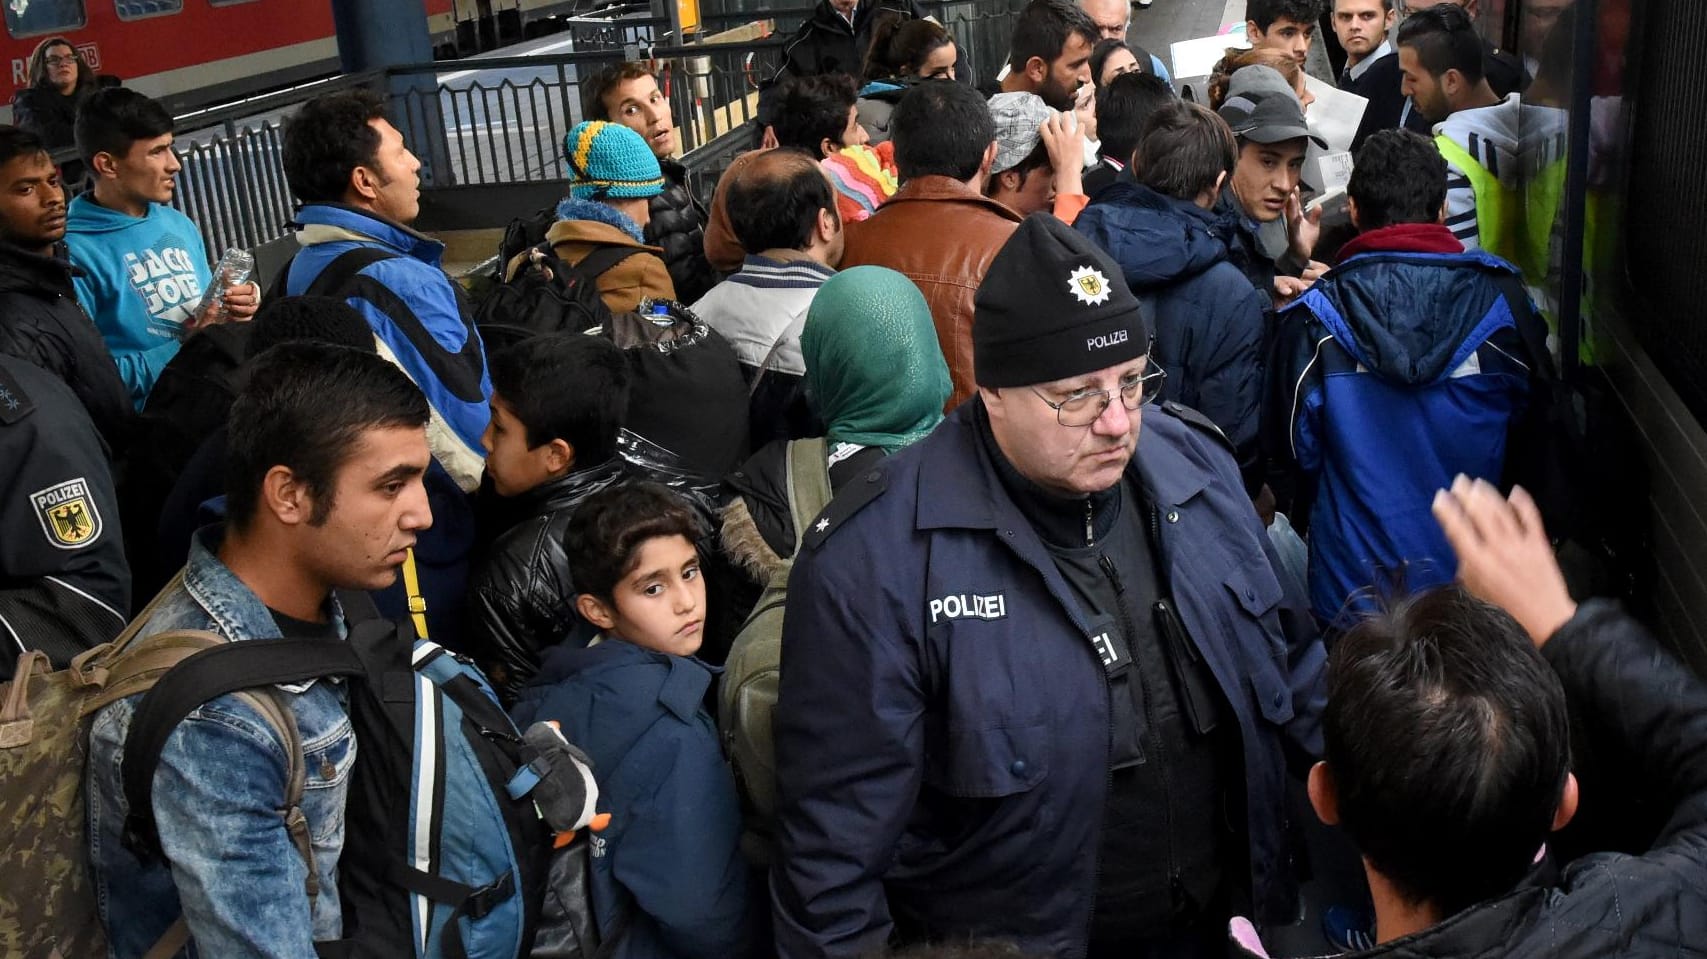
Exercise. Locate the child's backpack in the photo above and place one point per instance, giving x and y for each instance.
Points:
(47, 903)
(547, 295)
(747, 695)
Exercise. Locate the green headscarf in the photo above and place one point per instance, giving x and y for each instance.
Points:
(874, 368)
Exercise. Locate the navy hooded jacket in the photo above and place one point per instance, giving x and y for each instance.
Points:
(1395, 373)
(1208, 317)
(943, 726)
(671, 854)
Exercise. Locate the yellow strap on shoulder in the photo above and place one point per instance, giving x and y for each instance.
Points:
(417, 604)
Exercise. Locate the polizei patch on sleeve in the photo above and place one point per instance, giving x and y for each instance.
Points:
(969, 606)
(68, 514)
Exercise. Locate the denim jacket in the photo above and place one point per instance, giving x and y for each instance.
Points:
(230, 867)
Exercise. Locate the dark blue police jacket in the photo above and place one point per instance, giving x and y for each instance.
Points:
(943, 728)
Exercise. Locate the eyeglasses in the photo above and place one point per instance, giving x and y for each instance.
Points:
(1087, 406)
(58, 60)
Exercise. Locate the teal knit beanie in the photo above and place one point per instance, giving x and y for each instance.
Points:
(608, 160)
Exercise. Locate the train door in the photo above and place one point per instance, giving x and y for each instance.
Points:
(483, 25)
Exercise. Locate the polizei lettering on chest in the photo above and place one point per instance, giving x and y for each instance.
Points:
(969, 606)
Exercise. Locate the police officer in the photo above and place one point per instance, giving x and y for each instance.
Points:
(1038, 668)
(64, 585)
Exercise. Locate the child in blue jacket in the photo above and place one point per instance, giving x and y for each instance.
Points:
(633, 700)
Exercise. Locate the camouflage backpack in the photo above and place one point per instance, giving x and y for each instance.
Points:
(47, 903)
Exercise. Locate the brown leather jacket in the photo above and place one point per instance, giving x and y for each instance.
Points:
(942, 235)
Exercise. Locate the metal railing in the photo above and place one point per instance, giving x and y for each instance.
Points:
(501, 120)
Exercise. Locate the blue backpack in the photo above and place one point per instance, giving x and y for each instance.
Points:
(446, 852)
(440, 860)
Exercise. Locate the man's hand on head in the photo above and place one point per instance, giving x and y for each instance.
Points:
(1504, 556)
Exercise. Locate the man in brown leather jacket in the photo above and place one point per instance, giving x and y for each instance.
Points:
(939, 229)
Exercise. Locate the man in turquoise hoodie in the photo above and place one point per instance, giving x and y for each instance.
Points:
(146, 267)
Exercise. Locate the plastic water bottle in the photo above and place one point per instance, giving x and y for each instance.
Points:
(234, 269)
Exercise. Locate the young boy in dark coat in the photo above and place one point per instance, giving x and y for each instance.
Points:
(633, 699)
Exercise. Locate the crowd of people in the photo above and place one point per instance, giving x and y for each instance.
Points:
(1055, 498)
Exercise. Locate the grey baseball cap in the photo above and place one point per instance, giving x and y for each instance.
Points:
(1018, 118)
(1263, 108)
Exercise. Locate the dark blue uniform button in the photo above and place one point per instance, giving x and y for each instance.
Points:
(1018, 768)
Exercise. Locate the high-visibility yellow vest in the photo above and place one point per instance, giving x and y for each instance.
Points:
(1496, 204)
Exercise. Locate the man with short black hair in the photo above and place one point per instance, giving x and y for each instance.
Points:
(1037, 667)
(1285, 26)
(1050, 54)
(945, 142)
(327, 449)
(360, 190)
(1450, 734)
(782, 208)
(1401, 368)
(145, 270)
(629, 94)
(1440, 56)
(40, 319)
(1124, 108)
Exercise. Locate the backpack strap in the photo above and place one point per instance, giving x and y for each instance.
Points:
(808, 483)
(345, 267)
(250, 668)
(412, 588)
(601, 260)
(1530, 326)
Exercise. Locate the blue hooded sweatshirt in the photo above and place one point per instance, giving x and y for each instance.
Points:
(145, 276)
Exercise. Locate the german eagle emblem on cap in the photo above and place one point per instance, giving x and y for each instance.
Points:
(1089, 286)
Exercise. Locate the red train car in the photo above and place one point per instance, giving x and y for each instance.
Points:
(189, 52)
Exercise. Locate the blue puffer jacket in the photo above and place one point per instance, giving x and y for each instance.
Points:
(1208, 318)
(1393, 374)
(671, 854)
(943, 727)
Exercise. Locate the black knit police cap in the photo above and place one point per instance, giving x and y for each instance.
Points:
(1052, 306)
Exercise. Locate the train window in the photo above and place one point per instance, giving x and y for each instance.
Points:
(139, 9)
(29, 18)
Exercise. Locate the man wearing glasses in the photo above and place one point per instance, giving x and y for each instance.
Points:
(1038, 668)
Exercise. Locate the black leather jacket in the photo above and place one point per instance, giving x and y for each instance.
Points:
(41, 322)
(678, 225)
(521, 600)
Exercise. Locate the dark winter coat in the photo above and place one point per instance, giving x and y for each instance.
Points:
(671, 855)
(1638, 702)
(41, 322)
(521, 600)
(678, 228)
(828, 44)
(943, 727)
(1208, 318)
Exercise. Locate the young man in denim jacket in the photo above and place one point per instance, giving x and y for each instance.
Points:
(327, 449)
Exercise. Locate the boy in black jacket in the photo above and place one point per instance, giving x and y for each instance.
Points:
(1452, 824)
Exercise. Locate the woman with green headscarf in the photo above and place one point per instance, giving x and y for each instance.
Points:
(876, 379)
